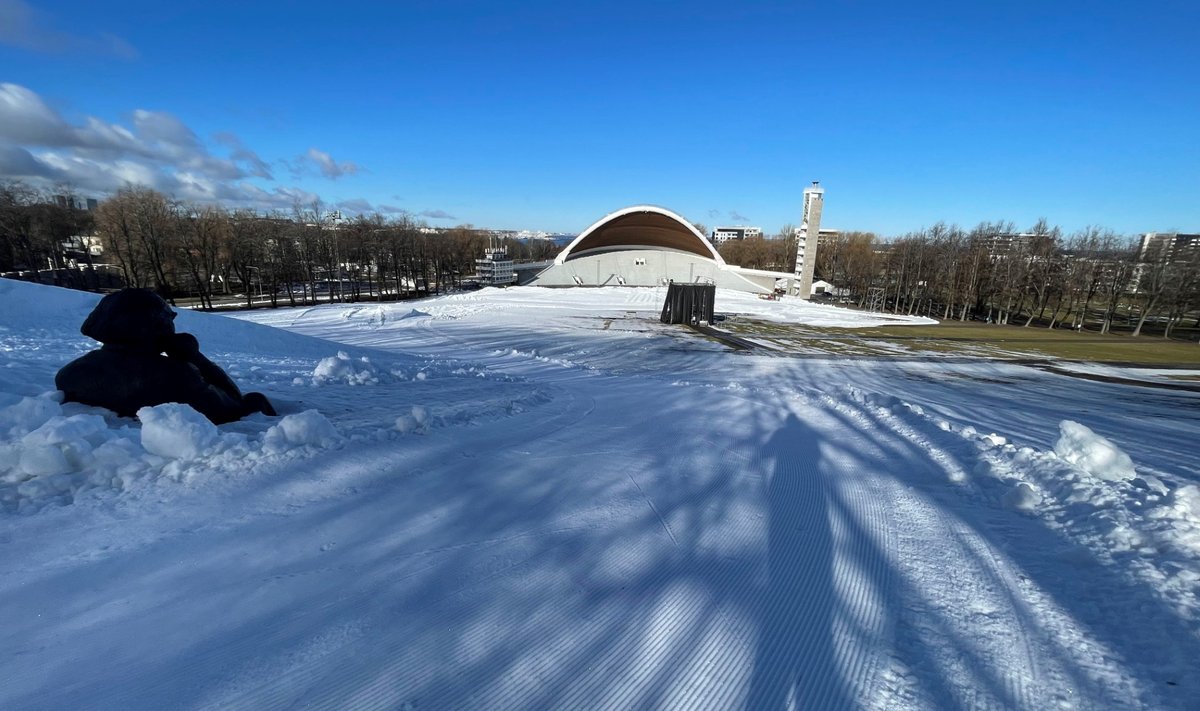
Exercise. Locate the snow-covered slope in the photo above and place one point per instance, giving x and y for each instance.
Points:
(532, 498)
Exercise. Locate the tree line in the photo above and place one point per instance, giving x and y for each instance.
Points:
(205, 252)
(1090, 279)
(37, 233)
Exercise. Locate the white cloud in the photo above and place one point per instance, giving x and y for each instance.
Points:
(155, 149)
(255, 165)
(329, 167)
(20, 163)
(25, 118)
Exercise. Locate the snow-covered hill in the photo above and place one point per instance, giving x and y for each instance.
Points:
(533, 498)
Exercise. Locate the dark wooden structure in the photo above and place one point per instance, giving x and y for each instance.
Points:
(689, 303)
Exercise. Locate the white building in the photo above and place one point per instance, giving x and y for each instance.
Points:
(806, 239)
(495, 268)
(721, 235)
(1168, 247)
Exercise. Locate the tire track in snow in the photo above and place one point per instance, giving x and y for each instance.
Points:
(998, 606)
(983, 587)
(654, 508)
(863, 533)
(1070, 666)
(684, 638)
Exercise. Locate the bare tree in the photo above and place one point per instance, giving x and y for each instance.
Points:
(1116, 280)
(19, 226)
(202, 233)
(1157, 277)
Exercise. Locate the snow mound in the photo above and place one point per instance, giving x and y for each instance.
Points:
(53, 454)
(306, 429)
(1092, 453)
(28, 414)
(415, 422)
(1180, 515)
(1023, 497)
(61, 444)
(344, 369)
(176, 431)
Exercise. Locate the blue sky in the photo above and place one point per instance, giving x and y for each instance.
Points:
(547, 115)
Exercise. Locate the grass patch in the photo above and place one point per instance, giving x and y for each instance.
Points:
(973, 339)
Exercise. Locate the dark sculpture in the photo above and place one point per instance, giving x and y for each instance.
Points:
(131, 371)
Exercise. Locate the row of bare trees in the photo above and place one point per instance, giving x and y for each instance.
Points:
(1090, 279)
(206, 252)
(40, 233)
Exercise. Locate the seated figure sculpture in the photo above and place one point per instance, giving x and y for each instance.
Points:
(144, 362)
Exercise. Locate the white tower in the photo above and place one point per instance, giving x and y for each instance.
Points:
(806, 239)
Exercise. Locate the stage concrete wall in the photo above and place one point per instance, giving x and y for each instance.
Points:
(647, 267)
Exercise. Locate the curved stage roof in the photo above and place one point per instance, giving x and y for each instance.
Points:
(640, 227)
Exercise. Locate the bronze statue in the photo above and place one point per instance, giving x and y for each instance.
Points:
(143, 362)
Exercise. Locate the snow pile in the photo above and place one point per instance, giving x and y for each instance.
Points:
(176, 431)
(344, 369)
(52, 453)
(416, 422)
(27, 414)
(60, 445)
(1093, 453)
(306, 429)
(1180, 514)
(1023, 497)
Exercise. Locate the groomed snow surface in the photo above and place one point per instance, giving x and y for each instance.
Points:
(537, 498)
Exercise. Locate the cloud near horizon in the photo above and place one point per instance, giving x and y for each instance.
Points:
(357, 206)
(153, 148)
(733, 216)
(436, 215)
(325, 163)
(23, 27)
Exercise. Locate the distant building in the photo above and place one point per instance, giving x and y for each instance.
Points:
(495, 268)
(1007, 243)
(825, 237)
(721, 235)
(807, 238)
(1169, 247)
(70, 202)
(84, 245)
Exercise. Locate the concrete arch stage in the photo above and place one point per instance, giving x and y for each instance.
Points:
(646, 245)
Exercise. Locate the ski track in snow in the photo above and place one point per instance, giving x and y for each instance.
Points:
(593, 510)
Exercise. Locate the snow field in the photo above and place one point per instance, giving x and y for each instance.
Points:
(1075, 483)
(531, 499)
